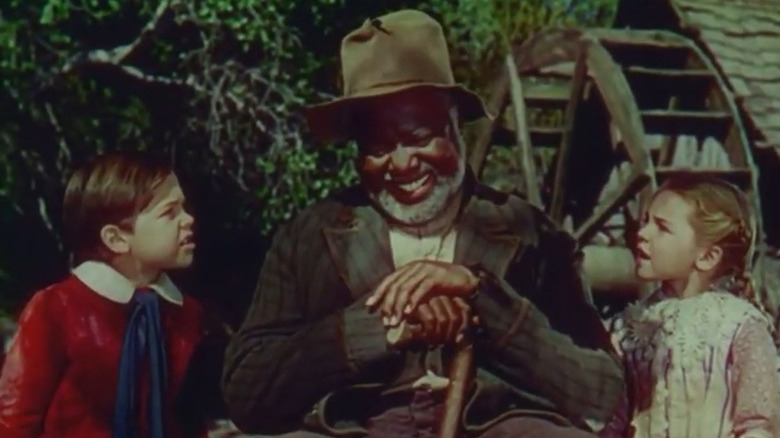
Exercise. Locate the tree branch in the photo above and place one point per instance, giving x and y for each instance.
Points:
(64, 154)
(118, 55)
(243, 112)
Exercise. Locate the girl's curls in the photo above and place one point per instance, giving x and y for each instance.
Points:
(723, 217)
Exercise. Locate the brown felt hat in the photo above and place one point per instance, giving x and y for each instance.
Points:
(395, 52)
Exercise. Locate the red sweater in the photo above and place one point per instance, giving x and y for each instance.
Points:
(60, 376)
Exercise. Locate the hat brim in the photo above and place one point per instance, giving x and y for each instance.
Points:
(330, 121)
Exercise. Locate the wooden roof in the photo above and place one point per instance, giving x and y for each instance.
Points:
(743, 38)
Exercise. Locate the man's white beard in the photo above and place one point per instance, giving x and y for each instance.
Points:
(429, 208)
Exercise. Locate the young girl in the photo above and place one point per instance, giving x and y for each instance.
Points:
(699, 351)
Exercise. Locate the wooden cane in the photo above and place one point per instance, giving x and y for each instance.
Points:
(460, 375)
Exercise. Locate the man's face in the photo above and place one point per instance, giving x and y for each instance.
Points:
(410, 159)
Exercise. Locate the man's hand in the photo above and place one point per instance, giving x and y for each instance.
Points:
(438, 321)
(402, 291)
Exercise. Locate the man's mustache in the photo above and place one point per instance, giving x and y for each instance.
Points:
(404, 175)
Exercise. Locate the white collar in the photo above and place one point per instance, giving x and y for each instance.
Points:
(108, 283)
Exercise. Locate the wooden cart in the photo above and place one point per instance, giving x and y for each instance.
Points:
(624, 110)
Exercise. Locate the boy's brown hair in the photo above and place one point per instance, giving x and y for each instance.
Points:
(111, 189)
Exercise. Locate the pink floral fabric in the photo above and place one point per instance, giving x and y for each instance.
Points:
(703, 366)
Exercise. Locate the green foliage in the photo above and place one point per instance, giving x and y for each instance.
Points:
(242, 55)
(219, 85)
(481, 32)
(288, 48)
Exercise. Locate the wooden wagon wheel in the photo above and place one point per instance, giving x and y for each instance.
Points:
(647, 104)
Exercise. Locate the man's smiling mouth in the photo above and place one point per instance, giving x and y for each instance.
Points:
(416, 184)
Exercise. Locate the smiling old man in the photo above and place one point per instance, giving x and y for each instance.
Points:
(420, 243)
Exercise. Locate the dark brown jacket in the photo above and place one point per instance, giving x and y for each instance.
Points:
(308, 334)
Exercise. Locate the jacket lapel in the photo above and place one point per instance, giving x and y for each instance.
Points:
(359, 243)
(485, 238)
(360, 247)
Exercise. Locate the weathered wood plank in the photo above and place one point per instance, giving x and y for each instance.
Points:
(770, 124)
(561, 70)
(562, 164)
(650, 38)
(653, 87)
(715, 116)
(760, 103)
(755, 45)
(768, 89)
(546, 136)
(611, 269)
(619, 100)
(666, 74)
(754, 5)
(667, 146)
(523, 139)
(621, 105)
(763, 144)
(731, 59)
(546, 95)
(734, 54)
(715, 123)
(627, 190)
(496, 103)
(739, 18)
(546, 48)
(736, 145)
(773, 134)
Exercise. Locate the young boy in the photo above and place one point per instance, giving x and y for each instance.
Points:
(104, 352)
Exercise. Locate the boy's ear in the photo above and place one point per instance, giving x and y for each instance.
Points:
(709, 259)
(114, 239)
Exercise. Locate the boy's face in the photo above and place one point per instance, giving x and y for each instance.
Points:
(162, 235)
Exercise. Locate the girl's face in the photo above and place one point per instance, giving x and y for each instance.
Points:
(667, 248)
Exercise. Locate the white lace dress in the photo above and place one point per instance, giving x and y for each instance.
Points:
(700, 367)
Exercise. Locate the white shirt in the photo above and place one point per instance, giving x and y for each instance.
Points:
(434, 241)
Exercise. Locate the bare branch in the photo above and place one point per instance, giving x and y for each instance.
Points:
(36, 164)
(63, 155)
(43, 211)
(245, 113)
(118, 55)
(98, 57)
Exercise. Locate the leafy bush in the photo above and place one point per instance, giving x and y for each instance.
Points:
(218, 85)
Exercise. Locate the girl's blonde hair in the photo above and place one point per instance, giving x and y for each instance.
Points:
(723, 217)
